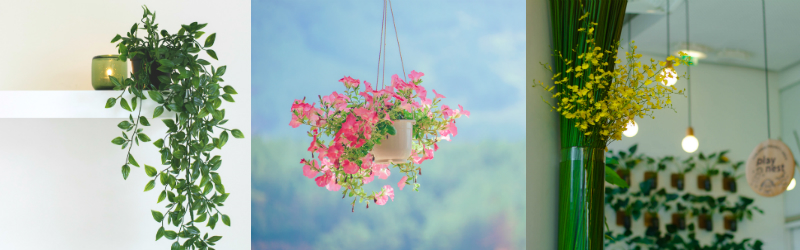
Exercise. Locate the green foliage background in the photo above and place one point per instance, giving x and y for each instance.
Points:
(472, 196)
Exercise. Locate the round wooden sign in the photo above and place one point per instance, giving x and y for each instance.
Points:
(770, 168)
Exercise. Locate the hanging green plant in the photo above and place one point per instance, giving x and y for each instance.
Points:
(168, 65)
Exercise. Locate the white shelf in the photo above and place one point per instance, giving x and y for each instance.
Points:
(68, 104)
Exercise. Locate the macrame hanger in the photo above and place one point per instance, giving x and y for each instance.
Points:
(382, 46)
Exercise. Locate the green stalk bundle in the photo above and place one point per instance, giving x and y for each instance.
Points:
(581, 174)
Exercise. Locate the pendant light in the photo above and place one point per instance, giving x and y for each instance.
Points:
(668, 73)
(631, 128)
(689, 143)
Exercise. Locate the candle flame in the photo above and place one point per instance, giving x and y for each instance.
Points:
(109, 72)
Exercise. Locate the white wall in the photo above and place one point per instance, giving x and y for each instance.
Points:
(61, 181)
(728, 112)
(49, 44)
(543, 143)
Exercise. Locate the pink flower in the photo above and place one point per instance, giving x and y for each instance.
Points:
(332, 186)
(415, 77)
(368, 179)
(313, 147)
(428, 154)
(349, 82)
(307, 170)
(447, 111)
(368, 87)
(453, 128)
(295, 121)
(324, 179)
(463, 112)
(398, 83)
(437, 95)
(402, 182)
(383, 197)
(382, 170)
(335, 151)
(350, 167)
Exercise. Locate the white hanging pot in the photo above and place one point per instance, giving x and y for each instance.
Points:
(396, 148)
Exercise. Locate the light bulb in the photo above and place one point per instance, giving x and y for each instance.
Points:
(670, 76)
(631, 129)
(109, 72)
(690, 143)
(791, 185)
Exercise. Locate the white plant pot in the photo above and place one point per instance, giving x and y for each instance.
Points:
(397, 148)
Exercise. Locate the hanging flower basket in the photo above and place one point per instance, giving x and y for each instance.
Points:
(365, 132)
(395, 148)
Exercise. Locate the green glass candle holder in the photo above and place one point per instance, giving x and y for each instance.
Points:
(104, 66)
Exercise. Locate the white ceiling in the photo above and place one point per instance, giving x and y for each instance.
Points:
(725, 24)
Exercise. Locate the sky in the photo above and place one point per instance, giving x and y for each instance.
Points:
(473, 52)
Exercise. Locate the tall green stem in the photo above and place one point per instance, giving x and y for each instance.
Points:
(582, 166)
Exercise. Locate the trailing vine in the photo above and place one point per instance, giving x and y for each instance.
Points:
(180, 82)
(686, 208)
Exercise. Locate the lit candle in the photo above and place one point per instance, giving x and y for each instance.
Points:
(105, 66)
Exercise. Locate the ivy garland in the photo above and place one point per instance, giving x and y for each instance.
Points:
(648, 202)
(172, 75)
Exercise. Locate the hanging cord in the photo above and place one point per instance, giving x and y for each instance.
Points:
(398, 41)
(667, 28)
(382, 45)
(688, 68)
(766, 72)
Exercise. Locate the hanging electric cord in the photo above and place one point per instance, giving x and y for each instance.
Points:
(766, 72)
(688, 69)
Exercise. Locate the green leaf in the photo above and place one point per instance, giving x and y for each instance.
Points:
(230, 90)
(124, 125)
(150, 170)
(159, 143)
(220, 188)
(116, 38)
(133, 103)
(160, 233)
(223, 138)
(226, 220)
(221, 70)
(114, 80)
(390, 130)
(158, 216)
(176, 246)
(192, 230)
(118, 140)
(125, 171)
(132, 161)
(158, 111)
(203, 62)
(171, 235)
(237, 133)
(210, 40)
(214, 238)
(212, 54)
(613, 178)
(162, 196)
(228, 97)
(143, 120)
(150, 185)
(144, 137)
(111, 101)
(166, 63)
(169, 122)
(156, 96)
(221, 198)
(124, 104)
(200, 218)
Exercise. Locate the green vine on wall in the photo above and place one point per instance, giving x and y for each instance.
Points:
(685, 208)
(168, 66)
